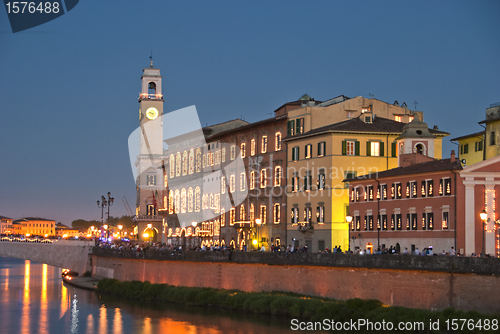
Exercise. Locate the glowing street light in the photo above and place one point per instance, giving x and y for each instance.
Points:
(484, 216)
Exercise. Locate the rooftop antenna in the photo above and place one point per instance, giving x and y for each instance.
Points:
(370, 95)
(415, 103)
(151, 57)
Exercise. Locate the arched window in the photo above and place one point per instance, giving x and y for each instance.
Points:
(190, 199)
(152, 88)
(420, 149)
(277, 141)
(222, 217)
(242, 212)
(198, 160)
(191, 161)
(165, 202)
(170, 202)
(277, 176)
(183, 200)
(177, 204)
(252, 213)
(184, 163)
(178, 164)
(197, 195)
(252, 147)
(172, 166)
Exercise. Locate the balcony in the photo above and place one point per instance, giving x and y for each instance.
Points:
(243, 224)
(148, 218)
(150, 96)
(304, 226)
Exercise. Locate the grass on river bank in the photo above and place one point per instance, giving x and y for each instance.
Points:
(287, 304)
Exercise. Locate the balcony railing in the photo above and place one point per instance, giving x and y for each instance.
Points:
(305, 226)
(150, 97)
(148, 218)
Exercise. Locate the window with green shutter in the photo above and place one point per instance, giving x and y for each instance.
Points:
(393, 149)
(291, 127)
(344, 147)
(368, 148)
(357, 148)
(382, 153)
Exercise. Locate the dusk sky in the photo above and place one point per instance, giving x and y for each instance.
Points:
(69, 87)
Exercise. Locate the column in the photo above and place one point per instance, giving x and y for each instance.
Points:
(469, 217)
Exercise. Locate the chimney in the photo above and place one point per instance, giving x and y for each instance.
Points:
(452, 156)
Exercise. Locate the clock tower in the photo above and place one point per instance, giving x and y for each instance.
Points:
(151, 112)
(151, 181)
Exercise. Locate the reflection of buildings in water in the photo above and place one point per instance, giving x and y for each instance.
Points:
(25, 318)
(117, 322)
(102, 319)
(90, 324)
(43, 323)
(74, 314)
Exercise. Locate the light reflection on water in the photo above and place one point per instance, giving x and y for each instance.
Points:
(33, 300)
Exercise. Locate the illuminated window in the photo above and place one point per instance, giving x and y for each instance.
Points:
(263, 211)
(307, 214)
(191, 161)
(291, 128)
(165, 202)
(349, 147)
(263, 178)
(277, 141)
(398, 118)
(223, 185)
(223, 154)
(444, 225)
(233, 152)
(277, 213)
(197, 198)
(170, 202)
(375, 149)
(243, 150)
(217, 157)
(307, 181)
(320, 215)
(151, 179)
(410, 118)
(198, 160)
(349, 114)
(190, 199)
(277, 176)
(295, 215)
(232, 185)
(243, 183)
(252, 147)
(222, 217)
(184, 163)
(295, 183)
(252, 213)
(321, 148)
(232, 215)
(308, 151)
(242, 213)
(178, 164)
(299, 126)
(172, 166)
(264, 144)
(177, 205)
(183, 200)
(252, 180)
(212, 159)
(445, 187)
(370, 193)
(165, 180)
(321, 179)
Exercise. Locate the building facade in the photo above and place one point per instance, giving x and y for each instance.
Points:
(5, 225)
(492, 131)
(412, 206)
(318, 161)
(34, 226)
(471, 148)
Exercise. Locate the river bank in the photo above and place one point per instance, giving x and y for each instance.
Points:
(290, 305)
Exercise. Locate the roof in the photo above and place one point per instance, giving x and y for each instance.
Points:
(35, 218)
(3, 217)
(378, 125)
(304, 99)
(246, 126)
(421, 168)
(222, 127)
(477, 134)
(490, 120)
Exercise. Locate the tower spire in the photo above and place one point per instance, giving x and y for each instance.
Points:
(151, 57)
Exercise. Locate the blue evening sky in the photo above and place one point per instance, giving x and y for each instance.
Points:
(69, 87)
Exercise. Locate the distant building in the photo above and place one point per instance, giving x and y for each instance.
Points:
(64, 231)
(34, 226)
(492, 132)
(471, 148)
(5, 225)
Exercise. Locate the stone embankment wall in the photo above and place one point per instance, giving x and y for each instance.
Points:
(410, 281)
(74, 255)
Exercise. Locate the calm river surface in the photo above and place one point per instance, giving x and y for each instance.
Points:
(33, 299)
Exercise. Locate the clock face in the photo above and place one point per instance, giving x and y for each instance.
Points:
(152, 113)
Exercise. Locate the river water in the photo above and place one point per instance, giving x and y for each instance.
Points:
(34, 299)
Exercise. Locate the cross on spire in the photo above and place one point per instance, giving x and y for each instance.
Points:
(415, 103)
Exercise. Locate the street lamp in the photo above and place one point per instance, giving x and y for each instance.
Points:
(348, 219)
(483, 216)
(194, 224)
(258, 221)
(105, 202)
(120, 228)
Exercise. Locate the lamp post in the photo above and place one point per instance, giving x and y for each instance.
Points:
(194, 231)
(120, 227)
(483, 216)
(102, 204)
(258, 221)
(110, 202)
(348, 219)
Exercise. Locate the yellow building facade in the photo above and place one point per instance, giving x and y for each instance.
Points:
(320, 158)
(492, 132)
(471, 148)
(37, 227)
